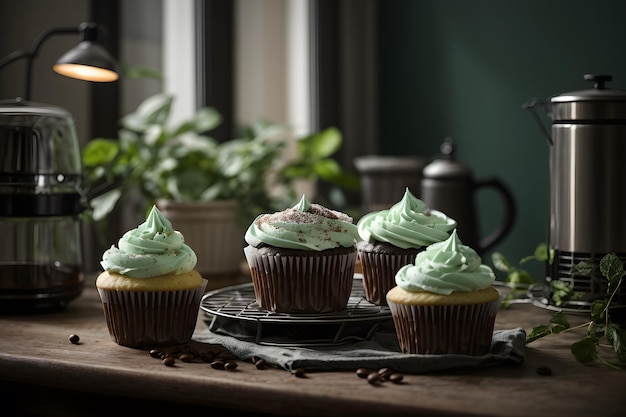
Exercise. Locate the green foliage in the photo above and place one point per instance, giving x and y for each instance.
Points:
(184, 163)
(600, 328)
(517, 278)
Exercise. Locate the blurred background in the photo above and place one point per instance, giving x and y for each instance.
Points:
(396, 77)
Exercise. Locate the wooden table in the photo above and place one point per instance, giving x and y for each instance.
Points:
(42, 372)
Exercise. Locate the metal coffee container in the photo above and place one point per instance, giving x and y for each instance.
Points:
(41, 265)
(587, 199)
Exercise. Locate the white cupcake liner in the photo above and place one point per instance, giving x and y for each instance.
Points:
(301, 284)
(144, 319)
(446, 329)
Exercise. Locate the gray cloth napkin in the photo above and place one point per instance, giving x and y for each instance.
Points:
(380, 351)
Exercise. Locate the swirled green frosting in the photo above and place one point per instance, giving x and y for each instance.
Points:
(152, 249)
(445, 267)
(407, 224)
(305, 226)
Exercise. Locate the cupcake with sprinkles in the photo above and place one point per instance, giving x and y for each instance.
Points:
(302, 259)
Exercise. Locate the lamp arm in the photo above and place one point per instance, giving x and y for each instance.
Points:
(31, 53)
(35, 48)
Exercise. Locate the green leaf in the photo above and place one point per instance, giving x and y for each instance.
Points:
(99, 152)
(206, 119)
(557, 328)
(104, 204)
(559, 318)
(541, 252)
(320, 145)
(598, 311)
(500, 262)
(520, 276)
(612, 268)
(327, 169)
(137, 72)
(585, 350)
(153, 110)
(617, 337)
(585, 268)
(538, 332)
(560, 292)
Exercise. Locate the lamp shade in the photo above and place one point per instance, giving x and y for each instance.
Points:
(88, 61)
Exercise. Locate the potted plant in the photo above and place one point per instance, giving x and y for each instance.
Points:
(196, 179)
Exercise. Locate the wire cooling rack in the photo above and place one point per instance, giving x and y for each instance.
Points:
(233, 311)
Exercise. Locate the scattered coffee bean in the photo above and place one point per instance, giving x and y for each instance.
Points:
(218, 364)
(544, 370)
(74, 339)
(260, 364)
(169, 361)
(299, 372)
(396, 378)
(374, 378)
(155, 353)
(380, 376)
(384, 373)
(186, 357)
(230, 365)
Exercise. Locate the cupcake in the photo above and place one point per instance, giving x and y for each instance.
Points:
(149, 289)
(302, 259)
(444, 303)
(392, 238)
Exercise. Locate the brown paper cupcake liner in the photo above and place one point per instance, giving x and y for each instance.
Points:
(301, 284)
(451, 329)
(379, 273)
(144, 319)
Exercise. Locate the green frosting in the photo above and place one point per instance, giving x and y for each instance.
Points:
(407, 224)
(305, 226)
(154, 248)
(445, 267)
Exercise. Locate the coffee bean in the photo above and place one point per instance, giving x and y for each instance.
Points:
(299, 372)
(396, 378)
(186, 357)
(217, 365)
(384, 373)
(74, 339)
(363, 372)
(260, 364)
(374, 378)
(169, 361)
(544, 370)
(230, 365)
(155, 353)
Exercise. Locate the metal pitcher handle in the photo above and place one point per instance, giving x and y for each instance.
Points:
(547, 108)
(510, 213)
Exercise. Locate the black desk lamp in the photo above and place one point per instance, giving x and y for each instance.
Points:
(87, 61)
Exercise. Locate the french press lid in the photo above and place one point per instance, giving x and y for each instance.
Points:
(592, 105)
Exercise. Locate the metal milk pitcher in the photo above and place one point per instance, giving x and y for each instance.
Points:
(587, 181)
(449, 186)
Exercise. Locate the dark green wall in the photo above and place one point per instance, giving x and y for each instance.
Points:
(463, 69)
